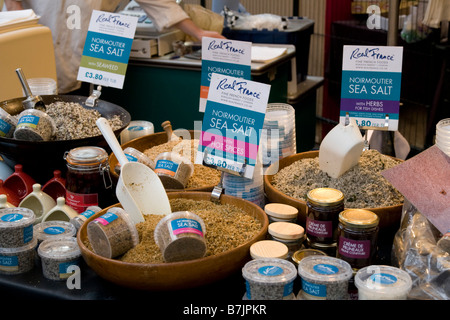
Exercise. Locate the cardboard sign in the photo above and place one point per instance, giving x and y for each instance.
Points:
(425, 181)
(232, 124)
(227, 57)
(371, 84)
(107, 49)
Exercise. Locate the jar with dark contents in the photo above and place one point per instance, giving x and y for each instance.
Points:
(88, 179)
(358, 234)
(323, 206)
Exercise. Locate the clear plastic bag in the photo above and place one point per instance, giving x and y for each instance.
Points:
(415, 250)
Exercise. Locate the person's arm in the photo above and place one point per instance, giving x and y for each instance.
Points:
(189, 27)
(12, 5)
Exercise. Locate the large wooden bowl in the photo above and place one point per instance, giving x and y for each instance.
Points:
(389, 216)
(176, 275)
(152, 140)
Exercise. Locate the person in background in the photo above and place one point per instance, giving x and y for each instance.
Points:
(69, 22)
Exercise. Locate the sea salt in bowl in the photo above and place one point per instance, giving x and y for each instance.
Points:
(176, 275)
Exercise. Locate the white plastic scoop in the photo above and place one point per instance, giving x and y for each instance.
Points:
(341, 149)
(139, 189)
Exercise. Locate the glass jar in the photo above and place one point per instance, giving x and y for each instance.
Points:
(291, 234)
(358, 234)
(88, 179)
(323, 206)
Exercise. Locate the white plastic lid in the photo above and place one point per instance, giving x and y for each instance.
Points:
(62, 248)
(268, 249)
(324, 269)
(54, 229)
(269, 270)
(383, 279)
(16, 217)
(286, 230)
(281, 210)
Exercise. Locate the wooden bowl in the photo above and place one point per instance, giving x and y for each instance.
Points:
(389, 216)
(176, 275)
(152, 140)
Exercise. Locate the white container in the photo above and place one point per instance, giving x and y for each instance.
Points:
(58, 256)
(280, 212)
(18, 260)
(443, 126)
(8, 124)
(324, 278)
(136, 129)
(80, 219)
(53, 230)
(42, 86)
(269, 249)
(16, 227)
(112, 234)
(34, 125)
(269, 279)
(173, 169)
(379, 282)
(38, 201)
(181, 236)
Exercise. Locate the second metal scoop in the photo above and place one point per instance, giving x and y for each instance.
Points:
(32, 101)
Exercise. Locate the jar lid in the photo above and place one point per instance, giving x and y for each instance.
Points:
(325, 196)
(298, 255)
(359, 218)
(268, 249)
(86, 156)
(62, 248)
(286, 230)
(281, 210)
(54, 229)
(269, 271)
(16, 217)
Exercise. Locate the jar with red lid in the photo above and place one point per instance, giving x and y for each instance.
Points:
(88, 180)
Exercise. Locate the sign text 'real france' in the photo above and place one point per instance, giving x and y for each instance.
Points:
(107, 49)
(371, 84)
(232, 124)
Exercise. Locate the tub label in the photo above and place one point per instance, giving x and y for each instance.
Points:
(107, 218)
(28, 234)
(180, 226)
(323, 268)
(270, 271)
(80, 202)
(166, 167)
(12, 217)
(54, 230)
(9, 263)
(383, 278)
(86, 215)
(319, 228)
(135, 128)
(319, 291)
(131, 158)
(64, 266)
(355, 249)
(5, 127)
(30, 121)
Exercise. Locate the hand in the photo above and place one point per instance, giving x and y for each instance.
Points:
(190, 28)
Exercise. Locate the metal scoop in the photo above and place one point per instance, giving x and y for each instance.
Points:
(32, 101)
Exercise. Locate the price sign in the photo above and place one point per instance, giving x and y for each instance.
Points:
(371, 84)
(232, 124)
(227, 57)
(107, 49)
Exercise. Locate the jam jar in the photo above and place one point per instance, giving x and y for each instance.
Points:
(88, 180)
(358, 234)
(323, 206)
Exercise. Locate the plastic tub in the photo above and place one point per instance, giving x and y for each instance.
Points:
(269, 279)
(443, 126)
(34, 125)
(16, 227)
(42, 86)
(379, 282)
(112, 234)
(324, 278)
(136, 129)
(7, 124)
(82, 217)
(57, 257)
(181, 236)
(53, 230)
(134, 155)
(18, 260)
(173, 170)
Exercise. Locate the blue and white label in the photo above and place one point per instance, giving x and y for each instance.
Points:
(166, 167)
(314, 289)
(29, 120)
(64, 266)
(12, 217)
(9, 263)
(180, 226)
(324, 268)
(5, 127)
(135, 128)
(383, 278)
(371, 84)
(131, 158)
(107, 218)
(54, 230)
(270, 271)
(88, 213)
